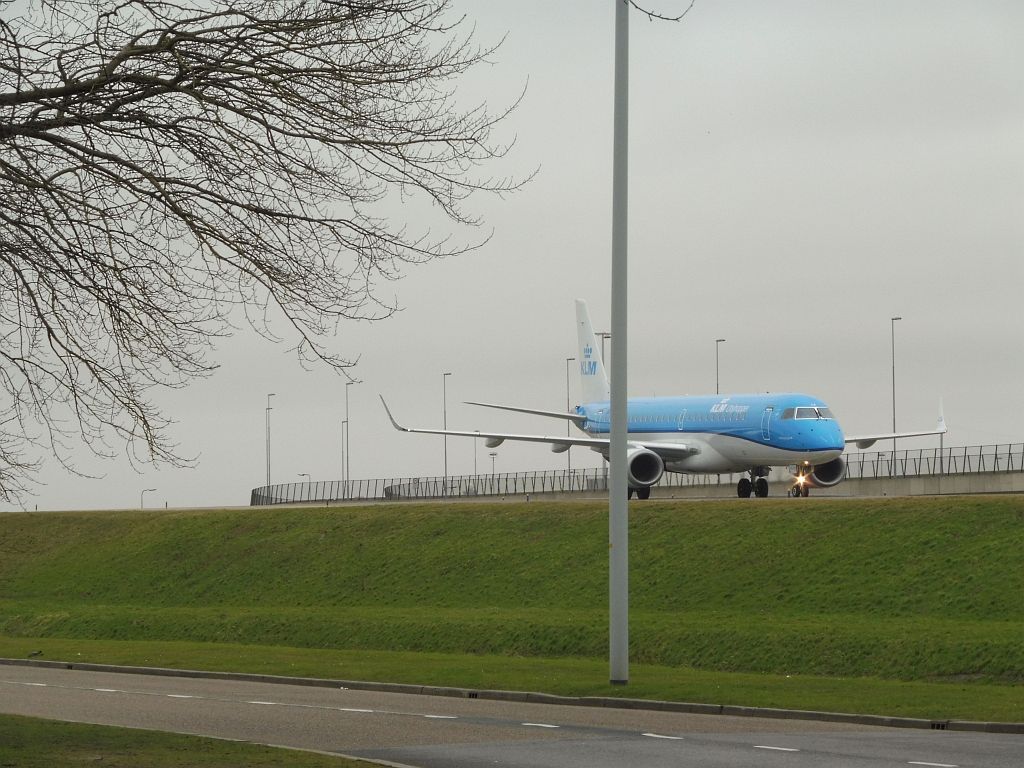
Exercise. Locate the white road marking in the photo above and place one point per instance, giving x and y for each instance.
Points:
(777, 749)
(265, 703)
(107, 690)
(542, 725)
(178, 696)
(441, 717)
(344, 709)
(660, 736)
(934, 765)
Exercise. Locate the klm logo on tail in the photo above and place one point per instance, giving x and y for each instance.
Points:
(588, 366)
(593, 377)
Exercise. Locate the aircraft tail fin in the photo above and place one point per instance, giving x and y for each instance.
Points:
(594, 385)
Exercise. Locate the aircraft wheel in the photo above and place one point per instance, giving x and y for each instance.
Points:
(795, 491)
(805, 491)
(629, 493)
(761, 487)
(743, 488)
(643, 493)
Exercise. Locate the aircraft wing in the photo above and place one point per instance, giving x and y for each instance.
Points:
(669, 451)
(558, 443)
(494, 439)
(866, 441)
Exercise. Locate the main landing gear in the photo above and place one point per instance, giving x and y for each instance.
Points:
(756, 483)
(641, 493)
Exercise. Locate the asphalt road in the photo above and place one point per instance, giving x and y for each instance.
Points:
(442, 732)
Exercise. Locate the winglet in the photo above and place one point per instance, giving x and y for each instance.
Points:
(397, 426)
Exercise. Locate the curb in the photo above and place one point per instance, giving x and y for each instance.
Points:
(541, 698)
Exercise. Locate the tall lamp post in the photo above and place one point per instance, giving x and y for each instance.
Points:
(603, 335)
(270, 395)
(892, 335)
(568, 424)
(142, 497)
(618, 509)
(717, 342)
(344, 458)
(348, 432)
(444, 421)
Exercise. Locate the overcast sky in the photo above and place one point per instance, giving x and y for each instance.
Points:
(800, 172)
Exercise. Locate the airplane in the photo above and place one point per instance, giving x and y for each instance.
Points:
(714, 434)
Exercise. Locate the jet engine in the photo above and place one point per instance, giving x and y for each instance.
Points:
(645, 467)
(823, 475)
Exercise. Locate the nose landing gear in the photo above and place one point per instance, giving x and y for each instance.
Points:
(801, 488)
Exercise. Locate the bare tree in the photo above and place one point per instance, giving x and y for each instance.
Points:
(653, 16)
(165, 163)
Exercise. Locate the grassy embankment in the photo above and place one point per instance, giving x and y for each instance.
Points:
(896, 606)
(26, 742)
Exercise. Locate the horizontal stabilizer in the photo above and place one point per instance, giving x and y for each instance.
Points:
(576, 417)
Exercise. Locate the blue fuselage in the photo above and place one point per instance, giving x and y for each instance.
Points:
(731, 432)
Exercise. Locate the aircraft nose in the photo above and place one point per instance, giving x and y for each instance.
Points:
(831, 436)
(825, 435)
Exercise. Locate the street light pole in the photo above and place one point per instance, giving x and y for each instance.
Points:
(344, 458)
(717, 342)
(348, 433)
(603, 335)
(270, 395)
(444, 420)
(568, 424)
(618, 509)
(142, 497)
(892, 333)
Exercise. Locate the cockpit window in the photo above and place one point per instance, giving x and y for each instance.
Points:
(788, 413)
(812, 413)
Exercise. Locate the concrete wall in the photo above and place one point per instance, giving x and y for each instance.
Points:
(976, 482)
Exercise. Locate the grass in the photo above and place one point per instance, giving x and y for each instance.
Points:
(948, 700)
(914, 648)
(921, 591)
(28, 742)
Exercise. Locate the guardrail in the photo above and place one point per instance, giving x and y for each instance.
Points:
(863, 466)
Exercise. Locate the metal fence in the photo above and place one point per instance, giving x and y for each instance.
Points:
(1005, 457)
(879, 464)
